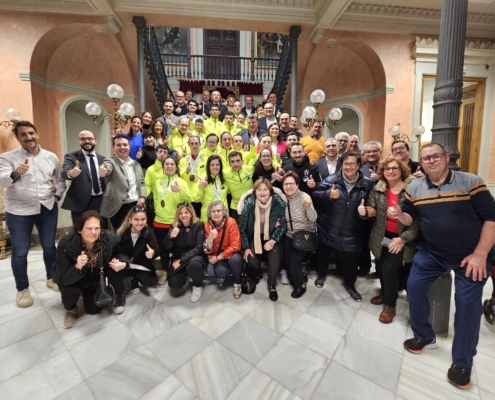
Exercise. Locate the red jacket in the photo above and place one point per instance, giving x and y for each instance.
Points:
(231, 242)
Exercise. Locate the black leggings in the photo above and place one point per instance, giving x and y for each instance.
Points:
(347, 263)
(272, 260)
(193, 269)
(146, 278)
(293, 260)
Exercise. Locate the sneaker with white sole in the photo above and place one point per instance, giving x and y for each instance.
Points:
(220, 281)
(52, 285)
(163, 279)
(70, 318)
(417, 346)
(196, 294)
(119, 305)
(135, 286)
(24, 299)
(284, 279)
(237, 291)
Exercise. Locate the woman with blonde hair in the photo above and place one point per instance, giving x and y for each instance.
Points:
(185, 242)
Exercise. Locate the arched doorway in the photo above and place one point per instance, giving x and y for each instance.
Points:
(350, 123)
(75, 119)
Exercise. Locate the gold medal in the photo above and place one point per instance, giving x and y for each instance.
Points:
(192, 178)
(162, 203)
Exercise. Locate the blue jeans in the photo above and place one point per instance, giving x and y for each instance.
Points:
(232, 266)
(20, 228)
(468, 295)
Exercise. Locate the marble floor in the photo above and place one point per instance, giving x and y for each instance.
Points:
(321, 346)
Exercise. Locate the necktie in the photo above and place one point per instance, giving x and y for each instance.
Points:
(94, 175)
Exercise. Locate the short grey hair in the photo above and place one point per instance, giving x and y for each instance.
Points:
(252, 116)
(345, 134)
(330, 140)
(214, 204)
(373, 143)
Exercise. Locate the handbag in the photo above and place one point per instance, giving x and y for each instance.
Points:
(104, 292)
(248, 285)
(302, 240)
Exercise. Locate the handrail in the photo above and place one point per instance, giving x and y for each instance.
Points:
(283, 71)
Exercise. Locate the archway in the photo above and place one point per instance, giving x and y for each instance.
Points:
(351, 122)
(74, 119)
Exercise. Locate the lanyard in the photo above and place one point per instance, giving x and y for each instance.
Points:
(216, 191)
(194, 163)
(165, 190)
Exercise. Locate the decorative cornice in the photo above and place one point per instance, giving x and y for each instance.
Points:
(269, 3)
(29, 76)
(472, 45)
(412, 12)
(352, 99)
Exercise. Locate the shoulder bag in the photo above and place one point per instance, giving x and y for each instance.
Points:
(302, 240)
(104, 292)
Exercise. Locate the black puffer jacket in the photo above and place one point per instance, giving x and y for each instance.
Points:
(70, 247)
(138, 252)
(339, 225)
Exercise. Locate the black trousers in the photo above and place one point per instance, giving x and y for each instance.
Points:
(197, 208)
(234, 214)
(146, 278)
(161, 234)
(193, 269)
(120, 216)
(94, 204)
(272, 260)
(365, 255)
(347, 263)
(293, 261)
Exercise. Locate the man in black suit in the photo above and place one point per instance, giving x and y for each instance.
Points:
(82, 168)
(216, 99)
(248, 108)
(180, 107)
(269, 118)
(330, 163)
(252, 131)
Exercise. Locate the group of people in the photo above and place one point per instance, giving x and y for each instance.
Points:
(218, 202)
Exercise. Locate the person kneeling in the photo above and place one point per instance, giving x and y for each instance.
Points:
(78, 262)
(185, 241)
(223, 246)
(139, 244)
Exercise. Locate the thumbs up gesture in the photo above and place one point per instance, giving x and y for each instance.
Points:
(373, 175)
(189, 133)
(82, 260)
(103, 171)
(311, 182)
(246, 147)
(175, 187)
(174, 232)
(306, 201)
(395, 211)
(76, 171)
(149, 254)
(418, 173)
(21, 169)
(139, 154)
(334, 193)
(362, 209)
(202, 183)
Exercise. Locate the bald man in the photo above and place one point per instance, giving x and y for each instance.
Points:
(180, 107)
(81, 168)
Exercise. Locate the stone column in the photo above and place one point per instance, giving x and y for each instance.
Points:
(294, 33)
(140, 23)
(448, 86)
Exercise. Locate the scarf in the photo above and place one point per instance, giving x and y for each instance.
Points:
(258, 249)
(349, 184)
(94, 262)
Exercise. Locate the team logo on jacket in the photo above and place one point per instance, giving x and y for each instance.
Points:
(306, 175)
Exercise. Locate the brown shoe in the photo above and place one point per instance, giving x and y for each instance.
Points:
(387, 315)
(377, 300)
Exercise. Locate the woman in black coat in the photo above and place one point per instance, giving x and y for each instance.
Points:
(78, 262)
(339, 225)
(185, 241)
(139, 244)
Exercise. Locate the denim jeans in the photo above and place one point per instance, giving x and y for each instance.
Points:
(20, 228)
(468, 307)
(232, 266)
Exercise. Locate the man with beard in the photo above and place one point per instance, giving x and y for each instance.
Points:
(168, 119)
(248, 108)
(330, 163)
(284, 125)
(313, 144)
(400, 149)
(82, 168)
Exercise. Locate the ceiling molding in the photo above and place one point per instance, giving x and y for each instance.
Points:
(29, 76)
(58, 6)
(352, 99)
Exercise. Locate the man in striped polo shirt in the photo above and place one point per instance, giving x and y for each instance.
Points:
(457, 218)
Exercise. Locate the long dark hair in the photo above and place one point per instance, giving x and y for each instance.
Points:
(208, 173)
(164, 133)
(131, 133)
(279, 138)
(258, 167)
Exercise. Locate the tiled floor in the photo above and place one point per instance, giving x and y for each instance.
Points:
(322, 346)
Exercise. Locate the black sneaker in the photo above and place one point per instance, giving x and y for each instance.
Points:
(273, 295)
(135, 286)
(460, 377)
(119, 305)
(353, 293)
(320, 281)
(417, 346)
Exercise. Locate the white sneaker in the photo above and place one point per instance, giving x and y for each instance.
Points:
(24, 299)
(196, 294)
(284, 280)
(52, 285)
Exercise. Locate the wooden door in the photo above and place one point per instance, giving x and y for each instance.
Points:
(470, 123)
(221, 50)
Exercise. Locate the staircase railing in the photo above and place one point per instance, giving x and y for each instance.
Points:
(283, 71)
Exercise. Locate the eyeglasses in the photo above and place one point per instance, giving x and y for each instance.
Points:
(86, 139)
(371, 151)
(434, 157)
(139, 209)
(289, 183)
(185, 204)
(216, 211)
(391, 169)
(396, 149)
(349, 165)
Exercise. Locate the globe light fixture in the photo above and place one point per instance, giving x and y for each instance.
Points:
(13, 115)
(395, 132)
(120, 116)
